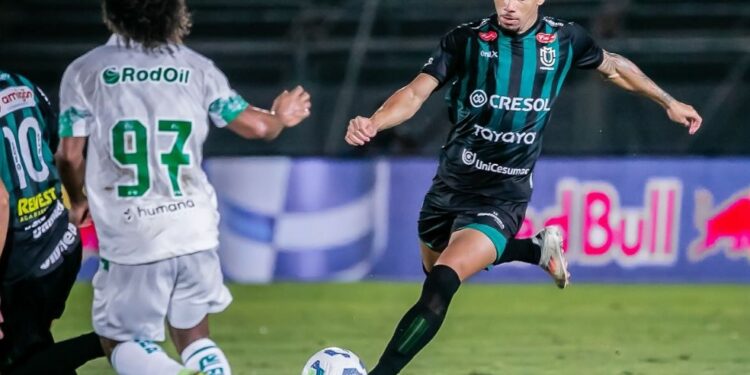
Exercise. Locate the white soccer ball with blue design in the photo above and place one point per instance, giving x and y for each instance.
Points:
(334, 361)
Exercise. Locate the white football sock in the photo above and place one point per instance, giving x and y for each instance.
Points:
(205, 355)
(143, 358)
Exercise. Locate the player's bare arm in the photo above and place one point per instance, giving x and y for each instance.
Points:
(401, 106)
(625, 74)
(72, 166)
(288, 110)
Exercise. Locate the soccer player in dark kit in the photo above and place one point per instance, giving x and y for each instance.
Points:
(506, 72)
(41, 253)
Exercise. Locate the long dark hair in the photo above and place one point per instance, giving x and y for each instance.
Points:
(152, 23)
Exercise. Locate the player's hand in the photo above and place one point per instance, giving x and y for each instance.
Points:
(79, 214)
(360, 131)
(291, 107)
(686, 115)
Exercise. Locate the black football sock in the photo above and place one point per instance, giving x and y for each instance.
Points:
(421, 322)
(526, 250)
(63, 357)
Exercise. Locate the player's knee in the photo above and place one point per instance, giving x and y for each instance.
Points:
(425, 270)
(439, 287)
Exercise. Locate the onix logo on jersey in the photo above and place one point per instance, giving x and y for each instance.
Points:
(114, 75)
(504, 137)
(489, 54)
(479, 98)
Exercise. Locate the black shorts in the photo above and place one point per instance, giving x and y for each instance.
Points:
(446, 210)
(30, 305)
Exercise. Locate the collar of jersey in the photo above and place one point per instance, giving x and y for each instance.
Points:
(532, 30)
(117, 40)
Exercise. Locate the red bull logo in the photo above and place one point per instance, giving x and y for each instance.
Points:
(723, 228)
(598, 230)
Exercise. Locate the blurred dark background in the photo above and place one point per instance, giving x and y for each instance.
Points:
(352, 54)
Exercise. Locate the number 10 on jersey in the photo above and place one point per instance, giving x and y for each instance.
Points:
(130, 149)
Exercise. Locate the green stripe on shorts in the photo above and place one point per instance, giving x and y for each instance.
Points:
(497, 238)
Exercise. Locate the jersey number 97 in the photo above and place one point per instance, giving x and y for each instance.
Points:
(130, 141)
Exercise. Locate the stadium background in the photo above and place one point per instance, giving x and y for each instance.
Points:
(642, 202)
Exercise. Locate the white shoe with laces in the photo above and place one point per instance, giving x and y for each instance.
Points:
(552, 259)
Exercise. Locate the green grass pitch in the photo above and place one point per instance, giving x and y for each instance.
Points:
(490, 329)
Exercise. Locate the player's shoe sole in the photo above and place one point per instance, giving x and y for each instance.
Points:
(552, 259)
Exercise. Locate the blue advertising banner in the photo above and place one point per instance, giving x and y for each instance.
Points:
(624, 220)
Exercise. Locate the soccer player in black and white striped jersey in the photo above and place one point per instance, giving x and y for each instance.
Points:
(41, 254)
(506, 72)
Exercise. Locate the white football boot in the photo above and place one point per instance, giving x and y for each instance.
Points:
(552, 259)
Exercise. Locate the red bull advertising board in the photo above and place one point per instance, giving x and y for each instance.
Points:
(662, 220)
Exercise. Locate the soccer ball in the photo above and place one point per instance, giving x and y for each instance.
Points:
(334, 361)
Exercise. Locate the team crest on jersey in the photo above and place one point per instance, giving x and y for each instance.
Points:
(547, 58)
(545, 38)
(488, 36)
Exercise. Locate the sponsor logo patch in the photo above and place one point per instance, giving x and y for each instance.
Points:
(479, 98)
(32, 207)
(488, 36)
(146, 212)
(69, 238)
(114, 75)
(545, 38)
(489, 54)
(470, 158)
(15, 98)
(515, 138)
(494, 217)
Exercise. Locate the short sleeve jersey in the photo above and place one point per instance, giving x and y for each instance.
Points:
(39, 233)
(146, 115)
(504, 86)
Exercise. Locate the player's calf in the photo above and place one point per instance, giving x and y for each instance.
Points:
(421, 322)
